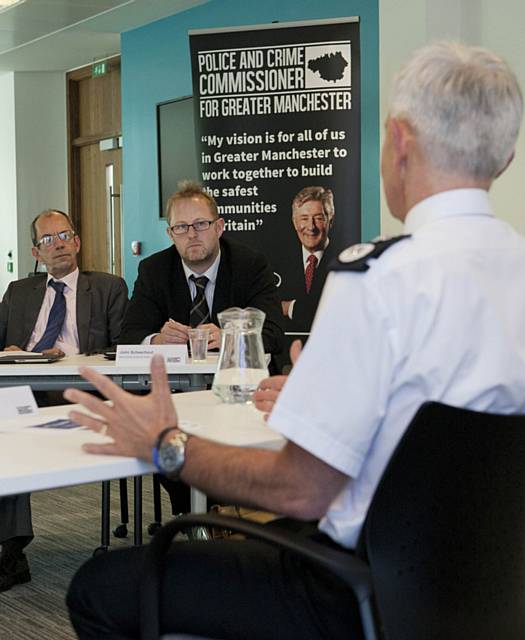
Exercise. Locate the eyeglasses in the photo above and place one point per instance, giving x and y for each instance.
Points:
(198, 225)
(65, 236)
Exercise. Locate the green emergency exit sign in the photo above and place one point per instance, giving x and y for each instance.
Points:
(99, 69)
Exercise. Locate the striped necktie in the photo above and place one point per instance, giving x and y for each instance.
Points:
(199, 312)
(309, 272)
(56, 318)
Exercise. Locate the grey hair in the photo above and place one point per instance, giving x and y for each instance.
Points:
(321, 194)
(465, 104)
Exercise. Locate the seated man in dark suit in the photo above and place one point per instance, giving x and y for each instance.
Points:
(312, 216)
(191, 282)
(168, 292)
(64, 310)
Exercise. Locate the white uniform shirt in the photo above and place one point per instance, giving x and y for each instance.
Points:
(67, 340)
(439, 316)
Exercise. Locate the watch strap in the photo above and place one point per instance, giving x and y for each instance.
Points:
(158, 444)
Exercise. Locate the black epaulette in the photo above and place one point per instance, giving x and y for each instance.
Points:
(355, 258)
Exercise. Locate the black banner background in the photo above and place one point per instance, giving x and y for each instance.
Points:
(265, 90)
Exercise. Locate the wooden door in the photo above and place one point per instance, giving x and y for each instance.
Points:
(95, 156)
(100, 181)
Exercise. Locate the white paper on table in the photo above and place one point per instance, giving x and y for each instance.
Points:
(16, 402)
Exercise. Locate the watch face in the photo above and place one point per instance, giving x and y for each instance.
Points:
(171, 458)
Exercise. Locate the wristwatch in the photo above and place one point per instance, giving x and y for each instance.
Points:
(169, 457)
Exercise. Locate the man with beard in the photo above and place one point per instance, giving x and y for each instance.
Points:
(188, 284)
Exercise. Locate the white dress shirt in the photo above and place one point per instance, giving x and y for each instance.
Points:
(67, 340)
(438, 316)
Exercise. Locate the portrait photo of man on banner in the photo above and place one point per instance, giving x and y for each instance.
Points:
(312, 215)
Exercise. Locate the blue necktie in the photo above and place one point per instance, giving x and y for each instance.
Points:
(57, 315)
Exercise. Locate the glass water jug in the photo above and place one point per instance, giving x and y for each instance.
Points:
(242, 364)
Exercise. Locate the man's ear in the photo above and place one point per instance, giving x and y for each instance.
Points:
(402, 138)
(511, 158)
(219, 226)
(35, 253)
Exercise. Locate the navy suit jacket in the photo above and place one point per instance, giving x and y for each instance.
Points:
(161, 292)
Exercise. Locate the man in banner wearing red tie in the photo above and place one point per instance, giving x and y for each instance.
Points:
(312, 216)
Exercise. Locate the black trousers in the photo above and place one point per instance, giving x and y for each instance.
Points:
(15, 517)
(232, 589)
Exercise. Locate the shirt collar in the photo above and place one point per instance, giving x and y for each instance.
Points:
(70, 280)
(210, 273)
(448, 204)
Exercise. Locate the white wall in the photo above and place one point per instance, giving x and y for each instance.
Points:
(41, 146)
(8, 232)
(408, 24)
(402, 28)
(502, 29)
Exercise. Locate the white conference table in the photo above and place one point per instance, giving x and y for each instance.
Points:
(35, 459)
(61, 374)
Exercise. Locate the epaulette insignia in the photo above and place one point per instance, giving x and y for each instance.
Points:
(355, 258)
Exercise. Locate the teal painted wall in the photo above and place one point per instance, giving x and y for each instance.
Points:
(156, 67)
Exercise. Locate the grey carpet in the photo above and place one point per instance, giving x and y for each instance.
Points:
(67, 530)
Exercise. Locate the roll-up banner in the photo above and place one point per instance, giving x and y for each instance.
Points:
(277, 120)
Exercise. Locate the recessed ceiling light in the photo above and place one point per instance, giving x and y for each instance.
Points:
(9, 4)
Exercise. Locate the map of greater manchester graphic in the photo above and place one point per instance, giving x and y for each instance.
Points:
(330, 66)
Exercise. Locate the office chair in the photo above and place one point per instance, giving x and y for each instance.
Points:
(442, 552)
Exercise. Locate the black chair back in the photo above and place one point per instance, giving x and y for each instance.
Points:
(445, 533)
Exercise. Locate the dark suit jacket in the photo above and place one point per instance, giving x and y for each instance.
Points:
(161, 292)
(101, 303)
(293, 288)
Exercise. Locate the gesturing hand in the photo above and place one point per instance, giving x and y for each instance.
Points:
(133, 422)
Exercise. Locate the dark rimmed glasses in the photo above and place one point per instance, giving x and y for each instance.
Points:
(198, 225)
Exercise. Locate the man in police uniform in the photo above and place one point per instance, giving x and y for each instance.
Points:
(437, 315)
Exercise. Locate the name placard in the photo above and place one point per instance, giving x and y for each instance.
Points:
(16, 402)
(129, 354)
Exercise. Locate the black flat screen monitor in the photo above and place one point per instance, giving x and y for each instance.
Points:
(177, 154)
